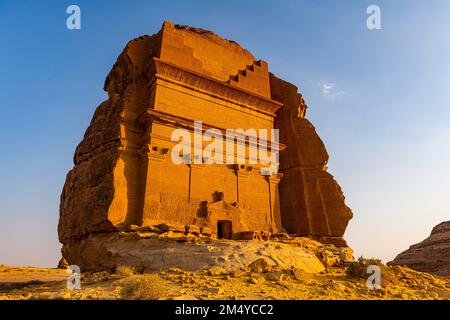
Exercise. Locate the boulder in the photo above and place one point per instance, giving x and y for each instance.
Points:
(260, 265)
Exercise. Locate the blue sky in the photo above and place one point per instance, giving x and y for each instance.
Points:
(379, 99)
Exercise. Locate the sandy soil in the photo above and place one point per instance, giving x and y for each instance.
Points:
(38, 283)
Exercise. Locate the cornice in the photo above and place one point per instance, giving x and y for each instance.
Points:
(158, 69)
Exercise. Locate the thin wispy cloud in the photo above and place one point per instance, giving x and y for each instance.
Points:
(327, 88)
(331, 90)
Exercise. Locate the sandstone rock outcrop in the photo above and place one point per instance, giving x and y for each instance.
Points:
(124, 176)
(431, 255)
(108, 250)
(312, 203)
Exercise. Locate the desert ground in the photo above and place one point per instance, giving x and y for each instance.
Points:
(399, 283)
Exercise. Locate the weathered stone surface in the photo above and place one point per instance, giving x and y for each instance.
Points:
(171, 227)
(260, 265)
(105, 251)
(123, 177)
(431, 255)
(62, 264)
(311, 201)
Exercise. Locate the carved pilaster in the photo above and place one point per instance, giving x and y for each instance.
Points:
(274, 200)
(274, 179)
(242, 172)
(153, 155)
(153, 152)
(195, 180)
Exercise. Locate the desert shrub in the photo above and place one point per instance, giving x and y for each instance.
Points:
(359, 267)
(125, 270)
(143, 287)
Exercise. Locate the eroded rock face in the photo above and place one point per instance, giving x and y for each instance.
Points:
(123, 174)
(431, 255)
(108, 250)
(311, 201)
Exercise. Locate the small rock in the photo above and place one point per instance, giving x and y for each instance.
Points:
(153, 229)
(236, 274)
(217, 271)
(329, 259)
(337, 286)
(283, 279)
(275, 277)
(301, 275)
(147, 234)
(205, 231)
(215, 290)
(260, 265)
(189, 228)
(171, 227)
(176, 270)
(174, 235)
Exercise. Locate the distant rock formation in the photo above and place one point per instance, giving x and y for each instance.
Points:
(431, 255)
(123, 174)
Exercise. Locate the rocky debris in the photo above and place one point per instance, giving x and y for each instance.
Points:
(388, 277)
(147, 228)
(421, 280)
(331, 256)
(431, 255)
(96, 277)
(252, 235)
(179, 233)
(176, 232)
(193, 229)
(148, 235)
(212, 283)
(176, 270)
(329, 259)
(328, 254)
(205, 231)
(172, 227)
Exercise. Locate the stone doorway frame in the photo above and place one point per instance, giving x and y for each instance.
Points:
(224, 229)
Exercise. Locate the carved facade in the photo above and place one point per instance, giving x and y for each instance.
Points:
(124, 174)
